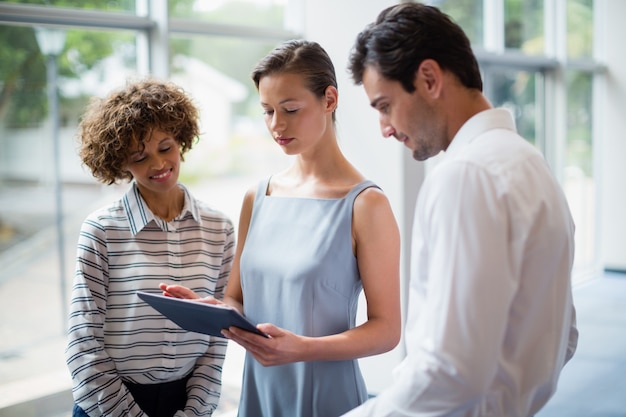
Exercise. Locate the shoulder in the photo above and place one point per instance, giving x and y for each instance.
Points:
(373, 220)
(371, 203)
(370, 196)
(100, 224)
(109, 214)
(210, 213)
(247, 204)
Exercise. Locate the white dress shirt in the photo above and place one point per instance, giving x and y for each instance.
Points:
(490, 319)
(113, 335)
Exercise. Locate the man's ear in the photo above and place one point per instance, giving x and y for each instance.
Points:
(428, 78)
(331, 95)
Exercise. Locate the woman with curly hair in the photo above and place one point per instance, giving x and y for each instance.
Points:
(126, 359)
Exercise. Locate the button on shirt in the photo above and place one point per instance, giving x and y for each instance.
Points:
(490, 320)
(113, 335)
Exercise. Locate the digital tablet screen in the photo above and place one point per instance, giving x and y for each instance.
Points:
(197, 316)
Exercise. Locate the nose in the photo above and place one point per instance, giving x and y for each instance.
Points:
(385, 127)
(277, 123)
(158, 161)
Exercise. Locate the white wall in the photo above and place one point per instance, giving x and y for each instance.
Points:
(335, 25)
(612, 138)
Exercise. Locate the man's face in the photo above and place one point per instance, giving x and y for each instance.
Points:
(406, 116)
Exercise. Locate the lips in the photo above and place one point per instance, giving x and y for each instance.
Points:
(402, 138)
(162, 175)
(281, 140)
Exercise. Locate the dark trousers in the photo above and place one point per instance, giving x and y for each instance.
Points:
(156, 400)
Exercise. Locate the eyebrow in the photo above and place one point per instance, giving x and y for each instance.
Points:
(374, 103)
(287, 100)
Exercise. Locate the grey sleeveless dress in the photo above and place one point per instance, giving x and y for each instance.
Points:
(299, 273)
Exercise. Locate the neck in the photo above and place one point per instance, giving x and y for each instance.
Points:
(464, 107)
(165, 205)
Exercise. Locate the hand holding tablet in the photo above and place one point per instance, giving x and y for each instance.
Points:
(199, 317)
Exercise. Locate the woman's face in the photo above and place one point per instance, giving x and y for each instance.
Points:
(155, 165)
(296, 118)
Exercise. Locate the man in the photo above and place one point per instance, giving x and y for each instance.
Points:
(490, 319)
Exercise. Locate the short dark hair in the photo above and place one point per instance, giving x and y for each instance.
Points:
(300, 57)
(406, 34)
(111, 125)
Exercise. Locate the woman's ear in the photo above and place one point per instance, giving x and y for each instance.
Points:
(331, 97)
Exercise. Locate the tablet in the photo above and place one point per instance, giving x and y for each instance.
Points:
(197, 316)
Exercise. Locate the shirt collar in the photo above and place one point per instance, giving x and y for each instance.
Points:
(139, 215)
(480, 123)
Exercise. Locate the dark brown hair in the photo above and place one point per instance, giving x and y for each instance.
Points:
(111, 125)
(301, 57)
(406, 34)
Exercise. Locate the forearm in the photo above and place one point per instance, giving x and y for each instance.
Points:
(204, 387)
(233, 302)
(373, 337)
(97, 387)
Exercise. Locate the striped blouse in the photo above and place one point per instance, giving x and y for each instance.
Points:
(113, 335)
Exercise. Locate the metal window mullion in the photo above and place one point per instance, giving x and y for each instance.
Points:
(599, 85)
(515, 60)
(198, 27)
(28, 14)
(555, 28)
(142, 40)
(158, 38)
(493, 25)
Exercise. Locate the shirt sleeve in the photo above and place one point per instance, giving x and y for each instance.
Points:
(470, 286)
(97, 387)
(204, 387)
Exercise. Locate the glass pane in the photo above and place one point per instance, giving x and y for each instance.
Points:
(101, 5)
(520, 92)
(523, 26)
(580, 28)
(37, 265)
(235, 150)
(579, 181)
(264, 13)
(466, 13)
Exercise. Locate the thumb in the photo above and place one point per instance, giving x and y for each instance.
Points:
(270, 329)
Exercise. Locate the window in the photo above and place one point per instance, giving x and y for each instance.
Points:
(246, 13)
(579, 182)
(235, 147)
(104, 44)
(523, 26)
(468, 14)
(89, 63)
(521, 92)
(527, 63)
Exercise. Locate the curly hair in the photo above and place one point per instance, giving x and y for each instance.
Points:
(406, 34)
(111, 125)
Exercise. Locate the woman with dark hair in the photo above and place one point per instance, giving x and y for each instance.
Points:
(310, 239)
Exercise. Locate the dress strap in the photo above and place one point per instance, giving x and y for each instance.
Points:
(359, 188)
(261, 190)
